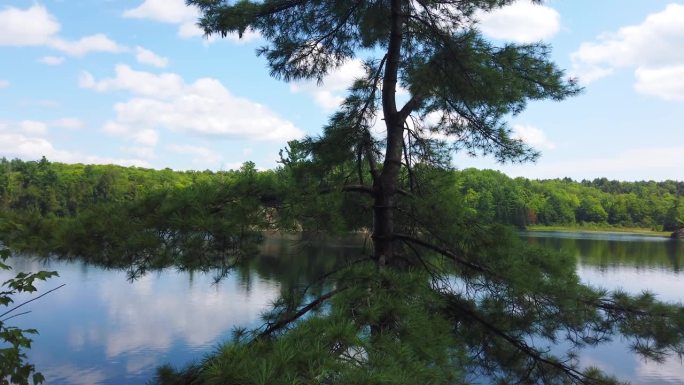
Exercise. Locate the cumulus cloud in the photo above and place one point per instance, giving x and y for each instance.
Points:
(164, 86)
(135, 314)
(654, 49)
(144, 140)
(166, 11)
(24, 146)
(666, 83)
(145, 56)
(52, 60)
(521, 21)
(200, 155)
(532, 136)
(634, 164)
(35, 26)
(27, 139)
(204, 107)
(94, 43)
(68, 123)
(33, 127)
(177, 12)
(71, 374)
(29, 127)
(330, 93)
(143, 152)
(147, 137)
(40, 103)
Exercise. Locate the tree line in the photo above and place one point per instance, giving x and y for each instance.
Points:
(523, 202)
(43, 189)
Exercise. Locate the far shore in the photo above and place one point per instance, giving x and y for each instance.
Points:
(602, 229)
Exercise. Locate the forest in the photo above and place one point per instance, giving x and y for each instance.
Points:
(446, 290)
(42, 191)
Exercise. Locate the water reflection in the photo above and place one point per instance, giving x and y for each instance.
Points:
(633, 264)
(102, 328)
(609, 250)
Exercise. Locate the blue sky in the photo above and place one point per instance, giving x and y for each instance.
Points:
(134, 82)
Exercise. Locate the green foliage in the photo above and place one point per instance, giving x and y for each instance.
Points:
(448, 292)
(337, 345)
(522, 202)
(305, 195)
(487, 296)
(14, 341)
(674, 219)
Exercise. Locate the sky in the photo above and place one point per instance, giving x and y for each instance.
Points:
(135, 82)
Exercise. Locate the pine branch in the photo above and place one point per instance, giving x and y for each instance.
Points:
(283, 322)
(445, 252)
(523, 347)
(31, 300)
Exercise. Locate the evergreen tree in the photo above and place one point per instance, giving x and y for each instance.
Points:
(442, 296)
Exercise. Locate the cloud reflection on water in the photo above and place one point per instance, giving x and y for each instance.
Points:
(103, 329)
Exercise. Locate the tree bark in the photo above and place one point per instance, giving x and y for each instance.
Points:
(385, 185)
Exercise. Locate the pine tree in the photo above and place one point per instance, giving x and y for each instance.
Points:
(442, 297)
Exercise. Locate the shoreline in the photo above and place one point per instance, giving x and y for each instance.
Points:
(600, 230)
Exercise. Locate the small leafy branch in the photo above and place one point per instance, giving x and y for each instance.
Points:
(13, 341)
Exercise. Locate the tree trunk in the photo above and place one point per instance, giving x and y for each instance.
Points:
(385, 185)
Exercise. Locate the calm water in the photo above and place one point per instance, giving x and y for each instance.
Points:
(633, 264)
(103, 329)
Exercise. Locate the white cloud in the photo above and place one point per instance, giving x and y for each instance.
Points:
(135, 312)
(204, 107)
(31, 147)
(170, 12)
(201, 155)
(4, 84)
(23, 146)
(165, 86)
(248, 36)
(71, 374)
(666, 83)
(330, 94)
(94, 43)
(522, 22)
(116, 129)
(140, 151)
(33, 127)
(145, 56)
(190, 29)
(532, 136)
(654, 49)
(28, 127)
(186, 17)
(68, 123)
(166, 11)
(52, 60)
(634, 164)
(671, 368)
(41, 103)
(147, 137)
(33, 26)
(38, 128)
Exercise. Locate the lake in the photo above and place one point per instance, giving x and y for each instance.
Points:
(102, 328)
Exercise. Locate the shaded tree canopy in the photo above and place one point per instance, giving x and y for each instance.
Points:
(434, 266)
(432, 49)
